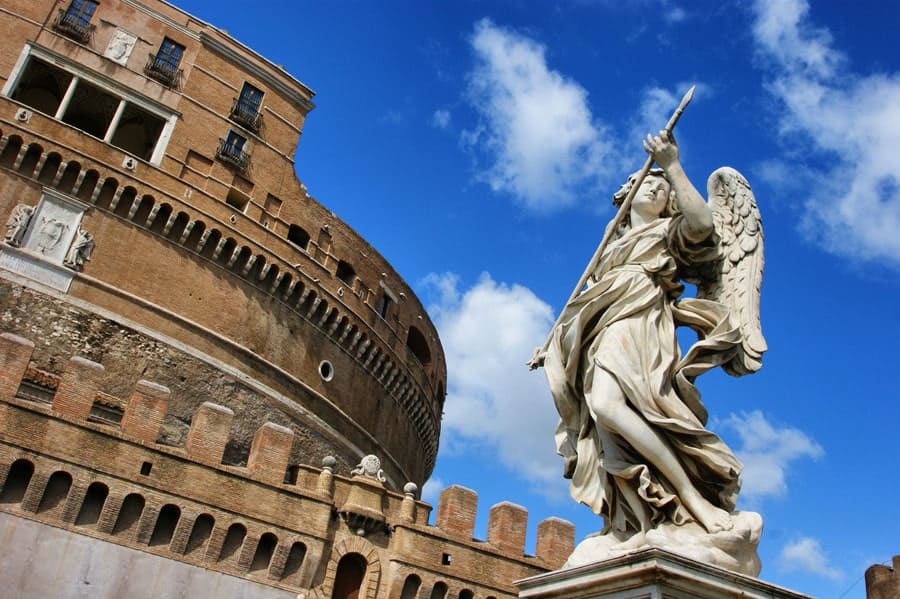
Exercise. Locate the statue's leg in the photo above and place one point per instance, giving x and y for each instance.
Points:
(611, 410)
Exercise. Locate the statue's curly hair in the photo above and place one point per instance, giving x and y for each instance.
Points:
(671, 208)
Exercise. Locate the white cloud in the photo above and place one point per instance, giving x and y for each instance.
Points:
(431, 490)
(806, 555)
(493, 400)
(767, 452)
(847, 125)
(536, 133)
(441, 118)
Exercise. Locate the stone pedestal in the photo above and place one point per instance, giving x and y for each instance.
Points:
(649, 573)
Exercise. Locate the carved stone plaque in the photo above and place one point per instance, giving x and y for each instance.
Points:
(120, 46)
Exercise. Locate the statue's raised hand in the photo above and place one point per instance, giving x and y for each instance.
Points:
(662, 148)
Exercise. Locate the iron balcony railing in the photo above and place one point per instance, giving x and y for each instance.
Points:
(246, 114)
(73, 26)
(233, 155)
(163, 71)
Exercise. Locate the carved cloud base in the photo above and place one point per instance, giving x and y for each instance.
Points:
(648, 573)
(733, 550)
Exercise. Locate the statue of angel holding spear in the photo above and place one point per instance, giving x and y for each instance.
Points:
(632, 428)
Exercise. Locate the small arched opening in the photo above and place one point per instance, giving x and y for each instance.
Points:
(411, 587)
(29, 162)
(50, 168)
(439, 590)
(294, 560)
(262, 557)
(234, 539)
(56, 491)
(69, 177)
(166, 522)
(92, 505)
(11, 151)
(200, 534)
(17, 480)
(88, 185)
(418, 346)
(129, 514)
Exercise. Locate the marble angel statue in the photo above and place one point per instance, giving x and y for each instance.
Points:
(632, 428)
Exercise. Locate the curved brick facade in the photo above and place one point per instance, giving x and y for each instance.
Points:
(171, 144)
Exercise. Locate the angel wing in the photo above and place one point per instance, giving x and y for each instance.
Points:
(736, 279)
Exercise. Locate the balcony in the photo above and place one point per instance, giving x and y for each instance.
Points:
(246, 114)
(233, 155)
(163, 71)
(73, 26)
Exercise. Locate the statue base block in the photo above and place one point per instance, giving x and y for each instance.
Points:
(649, 573)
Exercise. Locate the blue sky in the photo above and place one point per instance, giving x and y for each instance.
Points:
(476, 145)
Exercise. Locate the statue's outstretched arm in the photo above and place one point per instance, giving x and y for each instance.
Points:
(698, 219)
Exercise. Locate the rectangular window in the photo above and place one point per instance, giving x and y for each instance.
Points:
(80, 12)
(69, 93)
(231, 151)
(246, 108)
(163, 66)
(75, 21)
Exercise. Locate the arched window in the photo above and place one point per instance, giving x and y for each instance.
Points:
(351, 571)
(234, 539)
(416, 343)
(264, 551)
(294, 560)
(17, 481)
(129, 514)
(50, 168)
(466, 594)
(166, 522)
(411, 587)
(439, 591)
(56, 491)
(92, 505)
(200, 533)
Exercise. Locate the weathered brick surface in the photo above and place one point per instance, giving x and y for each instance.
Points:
(145, 411)
(78, 387)
(210, 430)
(15, 353)
(507, 524)
(270, 452)
(883, 582)
(555, 541)
(456, 511)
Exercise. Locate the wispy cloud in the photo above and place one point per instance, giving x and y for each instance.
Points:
(847, 127)
(536, 138)
(806, 555)
(767, 453)
(441, 118)
(488, 333)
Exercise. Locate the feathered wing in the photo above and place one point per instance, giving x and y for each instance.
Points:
(737, 277)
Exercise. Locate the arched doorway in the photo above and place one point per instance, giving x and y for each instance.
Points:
(351, 571)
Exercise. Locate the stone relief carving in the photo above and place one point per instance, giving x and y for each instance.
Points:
(120, 46)
(50, 233)
(369, 466)
(80, 251)
(17, 224)
(632, 428)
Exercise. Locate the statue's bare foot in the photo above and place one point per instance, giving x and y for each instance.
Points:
(714, 519)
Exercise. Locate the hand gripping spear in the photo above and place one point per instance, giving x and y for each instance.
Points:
(538, 358)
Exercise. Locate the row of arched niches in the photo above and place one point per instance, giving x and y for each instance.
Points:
(113, 510)
(263, 271)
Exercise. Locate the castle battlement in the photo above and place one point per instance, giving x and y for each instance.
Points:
(65, 461)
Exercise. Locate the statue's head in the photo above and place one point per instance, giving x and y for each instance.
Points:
(654, 188)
